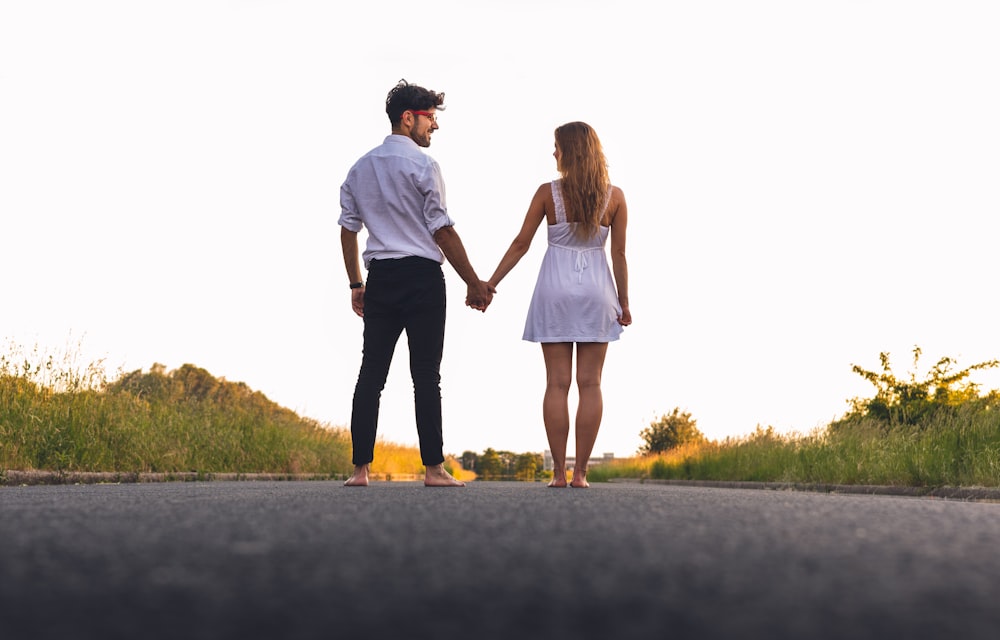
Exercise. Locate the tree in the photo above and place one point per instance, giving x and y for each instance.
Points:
(490, 465)
(508, 461)
(670, 431)
(469, 460)
(527, 466)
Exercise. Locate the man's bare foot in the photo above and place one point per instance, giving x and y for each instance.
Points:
(436, 476)
(359, 478)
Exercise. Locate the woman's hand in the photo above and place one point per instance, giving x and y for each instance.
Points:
(625, 319)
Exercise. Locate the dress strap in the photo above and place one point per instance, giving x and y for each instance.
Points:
(557, 199)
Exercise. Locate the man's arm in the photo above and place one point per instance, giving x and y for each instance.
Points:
(349, 245)
(480, 293)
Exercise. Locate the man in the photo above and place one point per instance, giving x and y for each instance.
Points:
(396, 191)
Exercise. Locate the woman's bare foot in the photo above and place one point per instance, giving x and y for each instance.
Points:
(359, 478)
(436, 476)
(580, 481)
(558, 480)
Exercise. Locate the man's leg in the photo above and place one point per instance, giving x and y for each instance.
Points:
(382, 329)
(425, 336)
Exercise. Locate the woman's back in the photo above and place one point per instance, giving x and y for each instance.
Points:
(575, 299)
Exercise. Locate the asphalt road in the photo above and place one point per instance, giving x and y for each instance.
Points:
(220, 560)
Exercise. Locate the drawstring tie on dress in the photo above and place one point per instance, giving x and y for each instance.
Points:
(581, 263)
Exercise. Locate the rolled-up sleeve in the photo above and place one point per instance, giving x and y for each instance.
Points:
(350, 218)
(435, 205)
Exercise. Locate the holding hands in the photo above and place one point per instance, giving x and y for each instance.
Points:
(480, 295)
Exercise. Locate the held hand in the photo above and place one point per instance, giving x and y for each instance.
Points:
(358, 301)
(480, 295)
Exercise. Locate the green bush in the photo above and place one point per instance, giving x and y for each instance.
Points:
(898, 401)
(669, 432)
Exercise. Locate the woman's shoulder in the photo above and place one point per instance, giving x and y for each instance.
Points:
(543, 197)
(544, 191)
(616, 197)
(616, 204)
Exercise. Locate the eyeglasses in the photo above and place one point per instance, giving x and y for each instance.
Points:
(430, 116)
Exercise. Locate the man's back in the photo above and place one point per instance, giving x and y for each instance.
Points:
(396, 191)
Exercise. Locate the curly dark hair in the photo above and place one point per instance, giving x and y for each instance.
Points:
(405, 96)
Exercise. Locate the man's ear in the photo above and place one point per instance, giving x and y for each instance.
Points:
(406, 121)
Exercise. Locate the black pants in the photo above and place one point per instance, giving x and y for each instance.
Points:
(405, 294)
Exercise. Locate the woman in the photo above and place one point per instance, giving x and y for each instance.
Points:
(575, 302)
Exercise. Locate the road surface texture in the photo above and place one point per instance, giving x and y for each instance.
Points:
(290, 560)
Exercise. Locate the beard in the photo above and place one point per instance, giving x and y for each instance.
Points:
(423, 139)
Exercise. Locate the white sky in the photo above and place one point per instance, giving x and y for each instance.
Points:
(809, 183)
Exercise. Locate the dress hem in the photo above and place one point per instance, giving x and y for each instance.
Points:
(570, 339)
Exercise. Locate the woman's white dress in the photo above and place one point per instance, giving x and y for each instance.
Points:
(575, 298)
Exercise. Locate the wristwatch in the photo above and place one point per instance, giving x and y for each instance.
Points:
(357, 285)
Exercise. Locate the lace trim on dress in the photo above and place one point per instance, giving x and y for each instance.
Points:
(557, 199)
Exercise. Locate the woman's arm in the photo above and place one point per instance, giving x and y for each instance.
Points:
(522, 242)
(619, 266)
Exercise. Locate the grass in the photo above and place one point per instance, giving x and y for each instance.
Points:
(57, 414)
(958, 448)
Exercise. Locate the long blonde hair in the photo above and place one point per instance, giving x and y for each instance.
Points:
(585, 181)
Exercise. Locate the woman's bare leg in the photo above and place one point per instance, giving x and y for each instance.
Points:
(589, 366)
(555, 406)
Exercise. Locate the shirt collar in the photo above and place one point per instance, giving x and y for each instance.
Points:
(399, 138)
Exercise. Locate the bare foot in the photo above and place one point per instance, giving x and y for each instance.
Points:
(436, 476)
(359, 478)
(558, 483)
(580, 481)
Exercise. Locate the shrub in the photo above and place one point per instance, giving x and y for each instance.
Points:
(670, 431)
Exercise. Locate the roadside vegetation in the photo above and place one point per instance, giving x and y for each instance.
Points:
(938, 430)
(59, 415)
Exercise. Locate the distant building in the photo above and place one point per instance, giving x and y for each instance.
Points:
(571, 460)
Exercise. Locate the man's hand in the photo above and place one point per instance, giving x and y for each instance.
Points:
(480, 295)
(358, 301)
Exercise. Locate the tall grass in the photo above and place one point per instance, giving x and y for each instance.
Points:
(401, 462)
(58, 415)
(954, 448)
